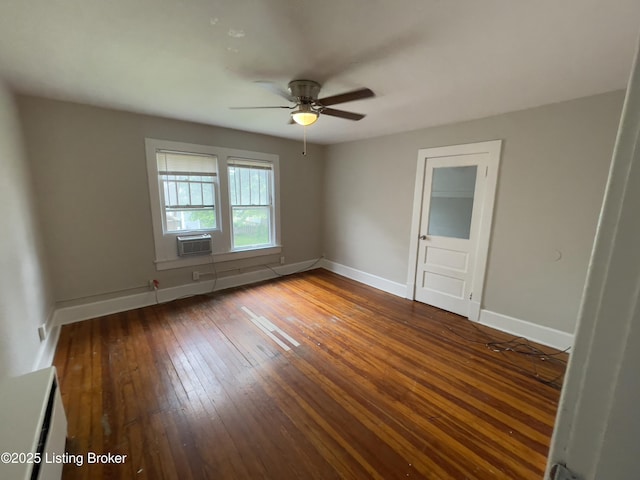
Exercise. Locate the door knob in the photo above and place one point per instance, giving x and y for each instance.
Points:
(423, 237)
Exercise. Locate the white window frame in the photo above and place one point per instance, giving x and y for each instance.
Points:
(163, 199)
(166, 256)
(244, 162)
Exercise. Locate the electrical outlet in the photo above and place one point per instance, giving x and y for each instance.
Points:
(42, 332)
(196, 276)
(282, 260)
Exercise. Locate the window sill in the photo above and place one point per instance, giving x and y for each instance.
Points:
(217, 257)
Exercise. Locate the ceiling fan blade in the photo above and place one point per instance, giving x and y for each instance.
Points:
(347, 97)
(253, 108)
(342, 114)
(275, 88)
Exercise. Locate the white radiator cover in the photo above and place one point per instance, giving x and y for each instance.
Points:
(30, 410)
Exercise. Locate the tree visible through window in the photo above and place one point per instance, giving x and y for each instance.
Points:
(250, 197)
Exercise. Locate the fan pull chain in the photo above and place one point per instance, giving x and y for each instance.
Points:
(304, 136)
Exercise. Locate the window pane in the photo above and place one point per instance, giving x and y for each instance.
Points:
(249, 185)
(165, 188)
(250, 198)
(183, 194)
(256, 176)
(451, 204)
(251, 226)
(207, 194)
(245, 187)
(233, 178)
(195, 190)
(189, 202)
(180, 220)
(188, 188)
(172, 198)
(263, 184)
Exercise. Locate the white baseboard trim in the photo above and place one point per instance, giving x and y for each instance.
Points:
(62, 316)
(100, 308)
(398, 289)
(77, 313)
(47, 350)
(536, 333)
(410, 291)
(474, 310)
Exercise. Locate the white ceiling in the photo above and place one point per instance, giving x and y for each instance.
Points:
(429, 62)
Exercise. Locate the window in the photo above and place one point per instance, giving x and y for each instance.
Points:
(187, 182)
(227, 193)
(250, 197)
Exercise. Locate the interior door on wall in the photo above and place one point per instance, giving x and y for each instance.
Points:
(451, 204)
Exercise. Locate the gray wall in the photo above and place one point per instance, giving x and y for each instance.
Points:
(553, 171)
(598, 426)
(89, 173)
(90, 177)
(25, 302)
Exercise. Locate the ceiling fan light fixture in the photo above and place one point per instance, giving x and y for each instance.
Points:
(304, 116)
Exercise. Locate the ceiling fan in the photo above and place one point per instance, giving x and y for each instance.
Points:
(308, 107)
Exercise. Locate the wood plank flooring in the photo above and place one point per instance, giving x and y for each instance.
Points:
(311, 376)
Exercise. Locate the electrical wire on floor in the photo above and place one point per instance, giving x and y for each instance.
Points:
(520, 346)
(215, 277)
(301, 269)
(189, 295)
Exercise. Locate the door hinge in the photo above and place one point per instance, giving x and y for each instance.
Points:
(486, 170)
(561, 472)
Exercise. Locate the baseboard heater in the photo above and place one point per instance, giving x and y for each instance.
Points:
(34, 427)
(194, 245)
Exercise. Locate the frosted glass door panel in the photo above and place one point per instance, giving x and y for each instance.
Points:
(451, 204)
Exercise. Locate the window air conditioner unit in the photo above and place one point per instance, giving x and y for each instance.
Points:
(194, 245)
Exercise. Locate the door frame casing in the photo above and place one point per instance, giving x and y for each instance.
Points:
(493, 150)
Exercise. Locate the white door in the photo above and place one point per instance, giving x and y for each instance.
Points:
(448, 232)
(452, 223)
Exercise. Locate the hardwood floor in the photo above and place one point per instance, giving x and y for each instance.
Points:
(311, 376)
